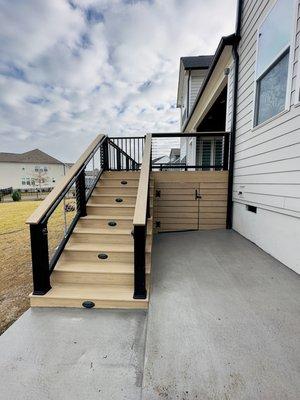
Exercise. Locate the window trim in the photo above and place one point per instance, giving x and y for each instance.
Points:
(290, 48)
(297, 85)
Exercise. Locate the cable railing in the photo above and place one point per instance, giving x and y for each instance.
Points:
(198, 151)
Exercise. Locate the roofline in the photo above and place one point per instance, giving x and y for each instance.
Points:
(33, 162)
(225, 41)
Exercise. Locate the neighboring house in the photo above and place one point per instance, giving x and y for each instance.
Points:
(161, 160)
(252, 91)
(175, 156)
(31, 170)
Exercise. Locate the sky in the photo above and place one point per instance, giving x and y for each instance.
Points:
(70, 69)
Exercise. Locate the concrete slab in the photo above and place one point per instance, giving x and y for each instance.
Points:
(69, 354)
(223, 321)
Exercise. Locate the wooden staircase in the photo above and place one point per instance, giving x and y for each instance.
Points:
(97, 263)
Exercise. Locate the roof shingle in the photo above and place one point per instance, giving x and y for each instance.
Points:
(32, 156)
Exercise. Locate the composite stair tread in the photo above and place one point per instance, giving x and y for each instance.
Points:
(90, 292)
(111, 205)
(104, 247)
(113, 195)
(112, 217)
(106, 231)
(94, 267)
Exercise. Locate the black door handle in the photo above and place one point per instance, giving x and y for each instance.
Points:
(197, 195)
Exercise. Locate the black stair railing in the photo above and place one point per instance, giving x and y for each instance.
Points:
(53, 222)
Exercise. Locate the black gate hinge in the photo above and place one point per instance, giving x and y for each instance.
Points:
(157, 224)
(157, 193)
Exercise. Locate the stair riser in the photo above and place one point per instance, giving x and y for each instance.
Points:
(92, 278)
(100, 238)
(111, 191)
(74, 255)
(120, 174)
(110, 211)
(112, 200)
(103, 223)
(131, 183)
(40, 301)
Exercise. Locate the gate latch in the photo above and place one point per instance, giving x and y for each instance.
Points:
(197, 195)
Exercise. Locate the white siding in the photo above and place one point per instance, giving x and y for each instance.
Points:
(267, 158)
(11, 174)
(196, 79)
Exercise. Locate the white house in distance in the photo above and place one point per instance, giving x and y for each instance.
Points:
(31, 170)
(252, 91)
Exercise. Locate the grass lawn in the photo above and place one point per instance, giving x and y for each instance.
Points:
(15, 260)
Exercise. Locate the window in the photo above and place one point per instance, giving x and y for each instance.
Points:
(274, 37)
(23, 181)
(45, 169)
(210, 153)
(36, 168)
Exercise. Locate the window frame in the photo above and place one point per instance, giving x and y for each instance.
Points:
(279, 56)
(297, 84)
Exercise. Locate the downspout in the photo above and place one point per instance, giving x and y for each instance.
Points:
(234, 114)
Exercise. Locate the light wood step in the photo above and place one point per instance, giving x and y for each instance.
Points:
(120, 175)
(99, 236)
(94, 273)
(104, 296)
(102, 221)
(131, 183)
(112, 199)
(115, 190)
(110, 209)
(86, 252)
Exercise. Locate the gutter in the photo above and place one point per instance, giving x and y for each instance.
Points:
(225, 41)
(234, 114)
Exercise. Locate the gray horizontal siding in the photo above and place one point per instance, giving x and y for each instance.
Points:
(267, 166)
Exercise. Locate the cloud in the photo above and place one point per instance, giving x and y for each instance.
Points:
(71, 69)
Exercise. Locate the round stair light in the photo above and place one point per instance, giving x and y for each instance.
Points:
(119, 200)
(102, 256)
(88, 304)
(112, 223)
(124, 182)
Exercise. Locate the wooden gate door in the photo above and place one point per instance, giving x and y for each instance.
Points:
(177, 209)
(190, 200)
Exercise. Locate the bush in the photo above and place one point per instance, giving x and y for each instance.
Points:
(16, 195)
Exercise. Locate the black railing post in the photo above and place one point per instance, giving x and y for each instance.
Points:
(139, 235)
(80, 194)
(127, 164)
(40, 258)
(105, 155)
(118, 159)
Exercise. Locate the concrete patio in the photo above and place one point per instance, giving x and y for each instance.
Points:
(223, 323)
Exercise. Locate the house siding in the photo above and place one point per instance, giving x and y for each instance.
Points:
(196, 80)
(11, 174)
(267, 158)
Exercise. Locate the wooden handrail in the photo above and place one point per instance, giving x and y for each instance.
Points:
(40, 212)
(140, 212)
